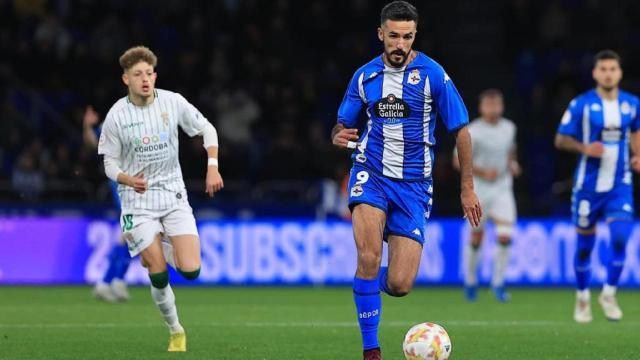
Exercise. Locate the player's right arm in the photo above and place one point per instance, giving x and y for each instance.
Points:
(567, 135)
(89, 120)
(110, 146)
(344, 134)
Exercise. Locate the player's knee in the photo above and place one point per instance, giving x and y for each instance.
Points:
(190, 274)
(369, 259)
(476, 238)
(155, 266)
(476, 243)
(504, 232)
(620, 232)
(618, 247)
(399, 288)
(504, 240)
(583, 254)
(159, 280)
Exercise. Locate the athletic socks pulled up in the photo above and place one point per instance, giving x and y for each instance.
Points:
(582, 260)
(366, 295)
(165, 300)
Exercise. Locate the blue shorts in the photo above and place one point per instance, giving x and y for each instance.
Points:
(406, 203)
(589, 206)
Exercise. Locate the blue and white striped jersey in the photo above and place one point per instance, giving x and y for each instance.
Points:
(401, 105)
(590, 118)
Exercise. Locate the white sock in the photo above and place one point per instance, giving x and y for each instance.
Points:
(608, 290)
(500, 265)
(165, 300)
(167, 250)
(583, 295)
(472, 259)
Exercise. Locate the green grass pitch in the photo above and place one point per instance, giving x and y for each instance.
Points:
(305, 323)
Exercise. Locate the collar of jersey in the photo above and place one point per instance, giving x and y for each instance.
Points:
(155, 97)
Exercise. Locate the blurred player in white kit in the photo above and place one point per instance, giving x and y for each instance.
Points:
(139, 141)
(494, 166)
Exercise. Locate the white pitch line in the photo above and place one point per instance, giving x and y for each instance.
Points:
(310, 324)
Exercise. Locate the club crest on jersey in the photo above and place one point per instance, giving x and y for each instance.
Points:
(356, 190)
(414, 77)
(165, 118)
(392, 107)
(625, 108)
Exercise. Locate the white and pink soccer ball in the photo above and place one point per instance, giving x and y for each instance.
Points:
(427, 341)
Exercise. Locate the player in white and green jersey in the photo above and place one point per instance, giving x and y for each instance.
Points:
(139, 141)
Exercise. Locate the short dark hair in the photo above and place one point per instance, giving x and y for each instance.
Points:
(490, 93)
(606, 54)
(399, 11)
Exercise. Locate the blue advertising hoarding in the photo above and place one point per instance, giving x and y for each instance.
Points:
(75, 251)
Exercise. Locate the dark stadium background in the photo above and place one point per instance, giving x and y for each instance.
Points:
(270, 75)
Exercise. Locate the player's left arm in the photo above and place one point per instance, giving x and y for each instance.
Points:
(635, 137)
(456, 118)
(635, 151)
(514, 165)
(470, 203)
(194, 123)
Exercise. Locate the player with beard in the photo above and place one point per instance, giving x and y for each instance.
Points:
(599, 125)
(402, 92)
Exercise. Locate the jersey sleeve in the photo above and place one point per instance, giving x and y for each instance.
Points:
(571, 119)
(109, 143)
(448, 101)
(190, 120)
(352, 102)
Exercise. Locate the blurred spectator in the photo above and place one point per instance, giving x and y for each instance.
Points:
(27, 179)
(270, 76)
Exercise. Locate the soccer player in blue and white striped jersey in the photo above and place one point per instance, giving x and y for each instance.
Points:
(600, 125)
(402, 92)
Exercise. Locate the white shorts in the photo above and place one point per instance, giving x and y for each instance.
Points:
(498, 204)
(140, 228)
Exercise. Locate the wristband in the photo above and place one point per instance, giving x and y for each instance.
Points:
(212, 162)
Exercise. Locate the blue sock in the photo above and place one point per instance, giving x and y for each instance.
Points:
(620, 231)
(113, 264)
(366, 295)
(122, 262)
(382, 280)
(582, 260)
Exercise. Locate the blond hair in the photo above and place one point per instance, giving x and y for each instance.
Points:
(137, 54)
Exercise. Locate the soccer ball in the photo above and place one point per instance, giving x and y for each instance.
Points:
(427, 341)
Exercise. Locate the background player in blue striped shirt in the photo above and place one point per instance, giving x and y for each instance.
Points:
(390, 188)
(599, 125)
(112, 287)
